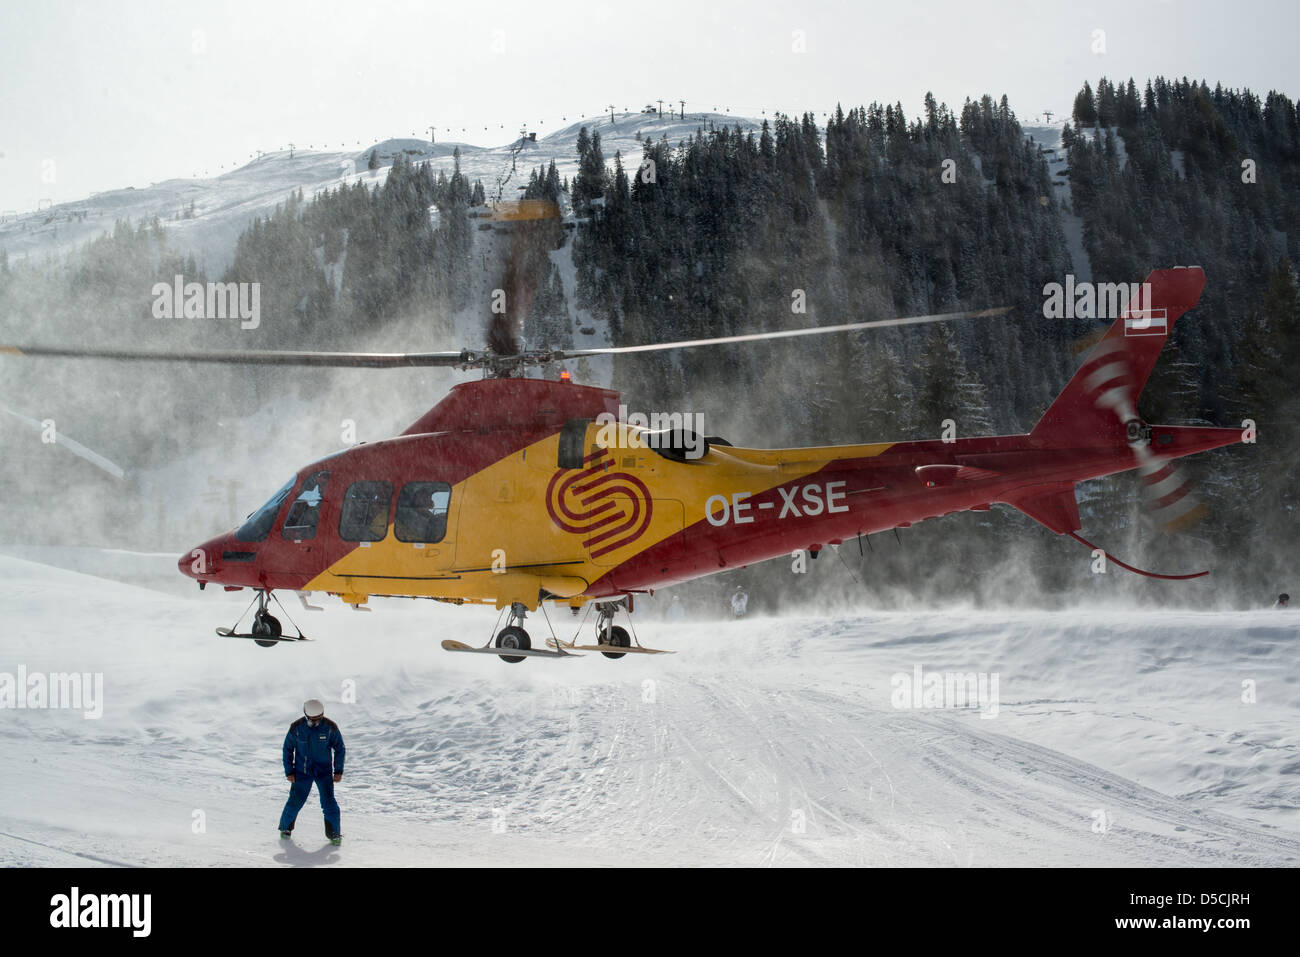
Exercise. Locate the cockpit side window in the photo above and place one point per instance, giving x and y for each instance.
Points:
(422, 512)
(258, 525)
(304, 513)
(364, 517)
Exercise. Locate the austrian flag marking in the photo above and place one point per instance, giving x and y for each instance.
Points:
(1147, 322)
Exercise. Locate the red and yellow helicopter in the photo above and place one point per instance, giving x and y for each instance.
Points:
(514, 491)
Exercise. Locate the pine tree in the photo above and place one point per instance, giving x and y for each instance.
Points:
(949, 390)
(1085, 107)
(592, 177)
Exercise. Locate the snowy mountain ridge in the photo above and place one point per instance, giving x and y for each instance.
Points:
(206, 216)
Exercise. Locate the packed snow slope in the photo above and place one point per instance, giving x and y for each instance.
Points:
(205, 216)
(1117, 738)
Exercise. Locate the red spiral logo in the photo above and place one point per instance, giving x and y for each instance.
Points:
(610, 508)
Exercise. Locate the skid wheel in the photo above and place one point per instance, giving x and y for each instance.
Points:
(619, 638)
(266, 624)
(513, 636)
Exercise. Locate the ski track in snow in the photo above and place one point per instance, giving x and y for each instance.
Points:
(767, 742)
(1049, 139)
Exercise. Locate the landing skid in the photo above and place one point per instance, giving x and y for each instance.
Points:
(266, 630)
(511, 644)
(450, 644)
(612, 641)
(603, 649)
(231, 633)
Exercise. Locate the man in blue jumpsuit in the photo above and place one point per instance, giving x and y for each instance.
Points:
(313, 751)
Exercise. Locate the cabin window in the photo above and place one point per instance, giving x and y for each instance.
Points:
(364, 517)
(259, 523)
(304, 513)
(422, 512)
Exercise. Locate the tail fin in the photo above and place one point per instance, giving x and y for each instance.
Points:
(1117, 367)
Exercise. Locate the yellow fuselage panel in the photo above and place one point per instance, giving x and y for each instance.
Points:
(524, 523)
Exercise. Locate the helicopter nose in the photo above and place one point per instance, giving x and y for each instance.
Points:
(199, 563)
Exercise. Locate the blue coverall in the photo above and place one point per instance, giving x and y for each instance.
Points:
(313, 754)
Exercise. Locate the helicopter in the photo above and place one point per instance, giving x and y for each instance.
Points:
(514, 491)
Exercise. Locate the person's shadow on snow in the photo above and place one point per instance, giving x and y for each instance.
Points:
(294, 856)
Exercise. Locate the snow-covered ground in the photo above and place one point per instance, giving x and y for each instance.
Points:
(1120, 738)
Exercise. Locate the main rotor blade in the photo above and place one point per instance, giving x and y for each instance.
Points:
(787, 333)
(463, 359)
(73, 446)
(354, 360)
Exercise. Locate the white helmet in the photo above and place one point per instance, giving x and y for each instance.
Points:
(313, 709)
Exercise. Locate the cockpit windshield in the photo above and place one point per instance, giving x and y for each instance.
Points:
(259, 523)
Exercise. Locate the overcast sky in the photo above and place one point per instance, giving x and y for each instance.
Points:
(101, 95)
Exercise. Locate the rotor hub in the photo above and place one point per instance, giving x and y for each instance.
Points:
(1137, 432)
(507, 366)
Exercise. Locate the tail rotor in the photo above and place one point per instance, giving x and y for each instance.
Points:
(1168, 495)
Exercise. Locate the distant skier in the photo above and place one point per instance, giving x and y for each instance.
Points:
(313, 752)
(675, 610)
(1283, 601)
(739, 601)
